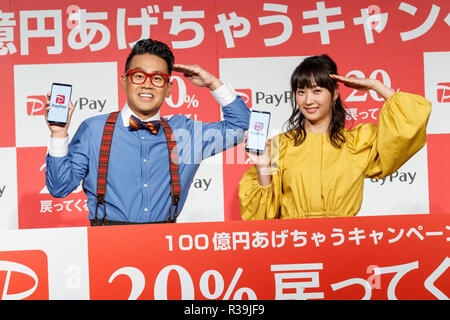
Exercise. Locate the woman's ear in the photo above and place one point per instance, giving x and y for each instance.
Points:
(336, 93)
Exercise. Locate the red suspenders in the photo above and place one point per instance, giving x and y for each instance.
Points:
(175, 187)
(103, 162)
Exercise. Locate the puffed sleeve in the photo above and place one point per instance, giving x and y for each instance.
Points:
(401, 132)
(259, 202)
(262, 202)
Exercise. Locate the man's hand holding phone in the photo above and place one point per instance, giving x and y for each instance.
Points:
(57, 130)
(59, 110)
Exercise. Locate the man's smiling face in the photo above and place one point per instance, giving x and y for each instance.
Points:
(145, 99)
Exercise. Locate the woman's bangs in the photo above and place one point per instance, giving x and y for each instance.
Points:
(314, 75)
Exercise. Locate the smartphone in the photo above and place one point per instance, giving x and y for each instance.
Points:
(258, 131)
(59, 103)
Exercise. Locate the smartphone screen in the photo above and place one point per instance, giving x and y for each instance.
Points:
(59, 103)
(257, 131)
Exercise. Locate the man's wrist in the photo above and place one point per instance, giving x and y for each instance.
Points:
(224, 94)
(58, 147)
(215, 84)
(59, 134)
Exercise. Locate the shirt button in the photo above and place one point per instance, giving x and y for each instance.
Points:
(145, 185)
(143, 138)
(145, 160)
(146, 209)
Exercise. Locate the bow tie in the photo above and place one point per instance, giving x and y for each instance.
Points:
(152, 126)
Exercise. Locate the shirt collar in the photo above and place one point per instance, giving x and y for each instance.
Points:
(127, 113)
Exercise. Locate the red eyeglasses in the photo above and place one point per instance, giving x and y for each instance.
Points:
(139, 77)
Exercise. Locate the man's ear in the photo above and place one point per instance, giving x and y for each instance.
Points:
(123, 82)
(169, 89)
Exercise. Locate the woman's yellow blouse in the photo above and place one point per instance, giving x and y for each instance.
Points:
(316, 179)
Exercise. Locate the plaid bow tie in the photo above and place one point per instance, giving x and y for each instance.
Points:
(152, 126)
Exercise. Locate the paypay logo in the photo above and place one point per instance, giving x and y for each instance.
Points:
(36, 105)
(246, 95)
(397, 177)
(60, 99)
(259, 126)
(274, 99)
(24, 275)
(443, 92)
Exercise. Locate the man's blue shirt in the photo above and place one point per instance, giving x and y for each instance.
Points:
(138, 184)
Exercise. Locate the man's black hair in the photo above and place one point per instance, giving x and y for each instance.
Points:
(154, 47)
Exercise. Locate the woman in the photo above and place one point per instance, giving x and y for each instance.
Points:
(317, 168)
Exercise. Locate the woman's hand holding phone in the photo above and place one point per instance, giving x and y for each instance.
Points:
(261, 162)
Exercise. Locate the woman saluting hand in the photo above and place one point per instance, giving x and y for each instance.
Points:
(317, 168)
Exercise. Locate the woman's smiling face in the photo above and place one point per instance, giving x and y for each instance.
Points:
(315, 103)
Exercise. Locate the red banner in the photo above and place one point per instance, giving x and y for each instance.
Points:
(386, 257)
(400, 257)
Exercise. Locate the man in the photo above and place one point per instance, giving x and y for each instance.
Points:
(141, 180)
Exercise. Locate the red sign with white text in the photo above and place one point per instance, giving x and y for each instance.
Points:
(37, 207)
(334, 258)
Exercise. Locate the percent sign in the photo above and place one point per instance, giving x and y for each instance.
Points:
(190, 100)
(220, 285)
